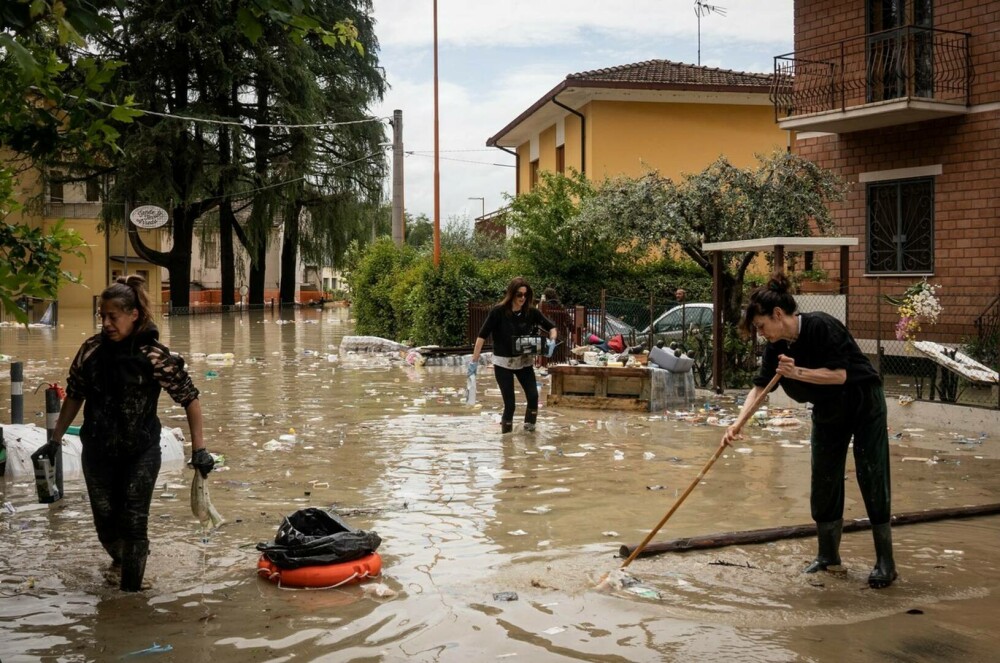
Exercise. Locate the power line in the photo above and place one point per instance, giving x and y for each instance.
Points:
(243, 194)
(235, 123)
(481, 163)
(487, 149)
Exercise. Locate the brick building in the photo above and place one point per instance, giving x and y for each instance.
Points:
(902, 99)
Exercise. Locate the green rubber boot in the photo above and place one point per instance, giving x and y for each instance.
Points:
(884, 572)
(828, 535)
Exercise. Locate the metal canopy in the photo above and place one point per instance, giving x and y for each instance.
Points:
(788, 243)
(777, 245)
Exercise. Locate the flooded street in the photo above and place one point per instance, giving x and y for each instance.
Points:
(465, 514)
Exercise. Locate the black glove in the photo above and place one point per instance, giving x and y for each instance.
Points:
(202, 461)
(50, 449)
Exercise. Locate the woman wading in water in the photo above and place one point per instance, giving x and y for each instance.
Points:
(820, 363)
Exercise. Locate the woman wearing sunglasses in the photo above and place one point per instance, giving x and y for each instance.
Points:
(514, 324)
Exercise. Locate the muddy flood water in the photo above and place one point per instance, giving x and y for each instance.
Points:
(465, 514)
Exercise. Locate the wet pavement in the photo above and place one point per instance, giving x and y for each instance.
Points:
(466, 515)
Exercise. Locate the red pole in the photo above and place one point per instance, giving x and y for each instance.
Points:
(437, 171)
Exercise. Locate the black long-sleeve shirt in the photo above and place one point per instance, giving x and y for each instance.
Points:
(120, 384)
(823, 342)
(503, 325)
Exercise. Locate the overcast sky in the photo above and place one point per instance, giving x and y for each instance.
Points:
(497, 57)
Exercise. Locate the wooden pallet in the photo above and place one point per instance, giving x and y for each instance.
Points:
(600, 387)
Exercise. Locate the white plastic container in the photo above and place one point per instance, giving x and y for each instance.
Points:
(665, 358)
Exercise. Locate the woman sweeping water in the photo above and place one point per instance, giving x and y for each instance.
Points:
(821, 363)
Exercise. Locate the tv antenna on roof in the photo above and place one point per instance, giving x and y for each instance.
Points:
(702, 8)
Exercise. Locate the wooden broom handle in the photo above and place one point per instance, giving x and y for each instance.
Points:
(740, 422)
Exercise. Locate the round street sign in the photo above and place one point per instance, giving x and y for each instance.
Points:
(149, 217)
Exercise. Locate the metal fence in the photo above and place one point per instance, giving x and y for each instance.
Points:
(901, 63)
(908, 372)
(632, 319)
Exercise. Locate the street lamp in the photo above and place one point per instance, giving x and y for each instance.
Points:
(481, 200)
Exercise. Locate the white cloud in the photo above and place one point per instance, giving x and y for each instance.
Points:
(497, 58)
(527, 23)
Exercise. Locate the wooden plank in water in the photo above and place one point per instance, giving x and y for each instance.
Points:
(625, 386)
(595, 403)
(600, 387)
(582, 369)
(575, 384)
(723, 539)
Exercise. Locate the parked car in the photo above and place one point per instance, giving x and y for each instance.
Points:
(677, 322)
(613, 325)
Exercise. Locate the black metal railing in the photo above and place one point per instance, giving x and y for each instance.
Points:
(902, 63)
(987, 342)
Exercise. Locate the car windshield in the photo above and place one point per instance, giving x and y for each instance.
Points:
(612, 325)
(678, 318)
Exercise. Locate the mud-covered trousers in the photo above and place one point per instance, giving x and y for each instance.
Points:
(861, 414)
(121, 490)
(505, 380)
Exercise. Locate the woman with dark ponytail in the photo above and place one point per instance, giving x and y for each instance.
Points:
(117, 377)
(820, 363)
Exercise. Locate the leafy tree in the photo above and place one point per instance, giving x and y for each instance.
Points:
(442, 313)
(30, 259)
(202, 60)
(457, 235)
(342, 168)
(784, 195)
(47, 75)
(419, 230)
(373, 274)
(551, 245)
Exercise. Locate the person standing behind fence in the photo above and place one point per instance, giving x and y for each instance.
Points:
(513, 323)
(117, 376)
(820, 363)
(553, 309)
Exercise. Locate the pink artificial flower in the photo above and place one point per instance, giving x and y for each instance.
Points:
(903, 329)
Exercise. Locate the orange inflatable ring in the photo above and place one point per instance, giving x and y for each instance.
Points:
(324, 576)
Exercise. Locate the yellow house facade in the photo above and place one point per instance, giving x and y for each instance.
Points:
(107, 254)
(655, 115)
(47, 199)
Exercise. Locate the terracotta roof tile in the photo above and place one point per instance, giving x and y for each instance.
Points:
(672, 73)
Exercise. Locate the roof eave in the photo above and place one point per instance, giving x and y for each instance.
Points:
(568, 83)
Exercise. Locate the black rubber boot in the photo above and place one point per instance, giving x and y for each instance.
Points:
(885, 568)
(828, 535)
(134, 555)
(114, 549)
(530, 417)
(506, 427)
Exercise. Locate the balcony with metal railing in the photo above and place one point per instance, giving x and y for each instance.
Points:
(877, 80)
(56, 209)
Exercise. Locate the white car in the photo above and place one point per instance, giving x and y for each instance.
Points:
(678, 321)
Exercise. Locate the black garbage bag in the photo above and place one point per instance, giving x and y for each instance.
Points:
(311, 537)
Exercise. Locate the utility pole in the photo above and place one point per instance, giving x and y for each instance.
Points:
(437, 151)
(398, 229)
